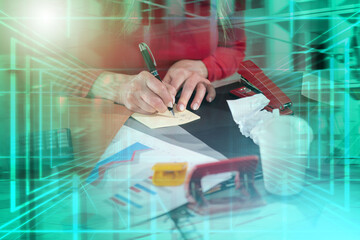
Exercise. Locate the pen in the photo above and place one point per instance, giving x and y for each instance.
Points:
(150, 63)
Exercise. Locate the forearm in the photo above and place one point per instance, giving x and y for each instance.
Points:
(229, 53)
(110, 86)
(223, 63)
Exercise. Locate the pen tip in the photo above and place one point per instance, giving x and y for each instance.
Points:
(172, 113)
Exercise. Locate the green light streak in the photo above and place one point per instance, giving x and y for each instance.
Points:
(27, 123)
(13, 126)
(75, 195)
(88, 196)
(342, 31)
(24, 214)
(54, 60)
(40, 196)
(291, 23)
(308, 118)
(51, 117)
(332, 28)
(40, 128)
(319, 125)
(332, 139)
(347, 125)
(332, 116)
(27, 212)
(314, 198)
(53, 182)
(285, 60)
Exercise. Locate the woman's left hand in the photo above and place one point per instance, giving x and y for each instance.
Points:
(191, 75)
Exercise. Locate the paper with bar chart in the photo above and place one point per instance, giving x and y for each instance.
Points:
(122, 178)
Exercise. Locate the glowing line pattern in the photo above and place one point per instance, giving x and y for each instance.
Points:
(317, 38)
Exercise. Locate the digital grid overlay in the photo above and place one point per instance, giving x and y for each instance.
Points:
(42, 192)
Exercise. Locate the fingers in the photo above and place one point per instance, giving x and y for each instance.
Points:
(201, 85)
(167, 78)
(161, 90)
(200, 93)
(147, 108)
(172, 91)
(132, 103)
(211, 93)
(177, 77)
(146, 94)
(201, 90)
(153, 101)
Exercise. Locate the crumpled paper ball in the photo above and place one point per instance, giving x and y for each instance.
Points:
(248, 114)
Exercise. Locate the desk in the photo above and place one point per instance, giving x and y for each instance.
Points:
(325, 209)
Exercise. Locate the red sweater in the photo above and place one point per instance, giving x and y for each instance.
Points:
(170, 40)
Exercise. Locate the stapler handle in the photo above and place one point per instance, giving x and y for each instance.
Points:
(257, 82)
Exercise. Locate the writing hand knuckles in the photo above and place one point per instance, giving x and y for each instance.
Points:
(171, 89)
(134, 86)
(130, 98)
(144, 75)
(158, 105)
(203, 81)
(179, 71)
(161, 87)
(192, 81)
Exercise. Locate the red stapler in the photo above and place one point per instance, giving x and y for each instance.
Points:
(254, 81)
(243, 196)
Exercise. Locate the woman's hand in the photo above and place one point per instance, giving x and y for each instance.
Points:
(190, 75)
(141, 93)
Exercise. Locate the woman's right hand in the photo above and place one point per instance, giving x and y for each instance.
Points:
(142, 93)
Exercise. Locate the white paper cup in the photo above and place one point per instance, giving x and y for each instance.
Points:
(284, 145)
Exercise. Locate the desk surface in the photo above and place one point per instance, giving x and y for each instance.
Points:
(327, 208)
(324, 204)
(217, 128)
(324, 209)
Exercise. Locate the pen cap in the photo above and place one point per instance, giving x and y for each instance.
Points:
(149, 60)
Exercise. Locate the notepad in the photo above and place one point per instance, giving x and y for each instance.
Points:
(166, 119)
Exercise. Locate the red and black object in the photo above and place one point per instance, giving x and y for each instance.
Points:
(254, 81)
(244, 196)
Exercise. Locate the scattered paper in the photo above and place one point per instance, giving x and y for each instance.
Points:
(248, 115)
(122, 178)
(166, 119)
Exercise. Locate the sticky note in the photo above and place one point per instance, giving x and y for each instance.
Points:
(165, 119)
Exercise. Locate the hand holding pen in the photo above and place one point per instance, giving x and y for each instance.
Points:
(151, 64)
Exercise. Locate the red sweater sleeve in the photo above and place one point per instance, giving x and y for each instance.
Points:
(228, 55)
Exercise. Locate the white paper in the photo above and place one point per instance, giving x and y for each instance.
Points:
(119, 178)
(166, 119)
(248, 115)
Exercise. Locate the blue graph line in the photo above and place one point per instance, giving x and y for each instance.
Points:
(127, 201)
(145, 189)
(124, 155)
